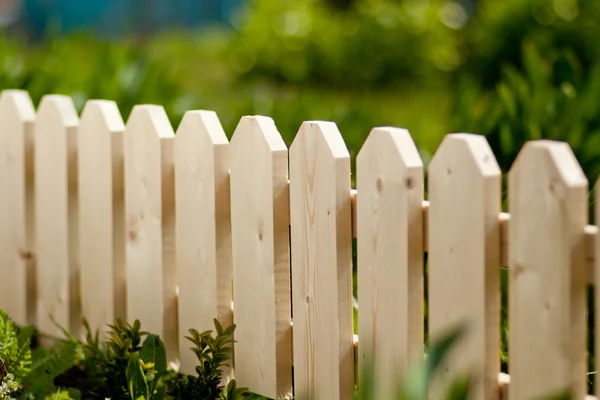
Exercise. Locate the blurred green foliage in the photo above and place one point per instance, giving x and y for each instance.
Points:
(432, 67)
(550, 98)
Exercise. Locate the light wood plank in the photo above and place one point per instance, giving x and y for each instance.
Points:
(590, 232)
(390, 256)
(150, 216)
(17, 267)
(203, 228)
(56, 216)
(547, 296)
(464, 189)
(321, 228)
(261, 257)
(101, 198)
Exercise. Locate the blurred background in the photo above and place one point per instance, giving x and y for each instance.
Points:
(513, 70)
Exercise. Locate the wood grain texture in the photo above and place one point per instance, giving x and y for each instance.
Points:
(547, 296)
(17, 267)
(203, 228)
(101, 240)
(150, 224)
(261, 257)
(321, 229)
(56, 212)
(464, 188)
(390, 256)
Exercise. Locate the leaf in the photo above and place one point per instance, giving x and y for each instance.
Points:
(366, 387)
(25, 334)
(508, 100)
(2, 370)
(459, 389)
(40, 380)
(232, 392)
(416, 382)
(136, 380)
(536, 69)
(440, 349)
(153, 350)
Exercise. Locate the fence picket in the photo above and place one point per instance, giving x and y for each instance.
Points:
(547, 292)
(321, 230)
(203, 228)
(261, 257)
(149, 210)
(17, 262)
(390, 256)
(101, 219)
(464, 257)
(56, 216)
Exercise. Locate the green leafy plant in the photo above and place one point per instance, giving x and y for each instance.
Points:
(26, 374)
(551, 98)
(212, 353)
(8, 386)
(122, 367)
(15, 353)
(41, 380)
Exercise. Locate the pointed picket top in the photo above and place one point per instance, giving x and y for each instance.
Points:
(548, 290)
(58, 110)
(101, 223)
(99, 116)
(261, 257)
(17, 116)
(474, 148)
(56, 215)
(325, 132)
(390, 255)
(19, 102)
(558, 157)
(321, 228)
(203, 228)
(150, 230)
(258, 130)
(464, 190)
(150, 119)
(202, 125)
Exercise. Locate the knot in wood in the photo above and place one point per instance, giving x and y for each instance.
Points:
(379, 185)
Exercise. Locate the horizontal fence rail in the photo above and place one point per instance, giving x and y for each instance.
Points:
(102, 218)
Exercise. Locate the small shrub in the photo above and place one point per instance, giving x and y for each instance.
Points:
(212, 353)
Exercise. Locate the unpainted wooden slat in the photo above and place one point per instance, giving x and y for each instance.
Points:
(464, 189)
(321, 229)
(390, 256)
(261, 257)
(17, 267)
(203, 228)
(150, 217)
(56, 209)
(101, 197)
(590, 231)
(547, 292)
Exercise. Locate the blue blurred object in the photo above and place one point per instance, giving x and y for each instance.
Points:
(117, 17)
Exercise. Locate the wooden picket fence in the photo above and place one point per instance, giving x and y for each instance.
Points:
(102, 219)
